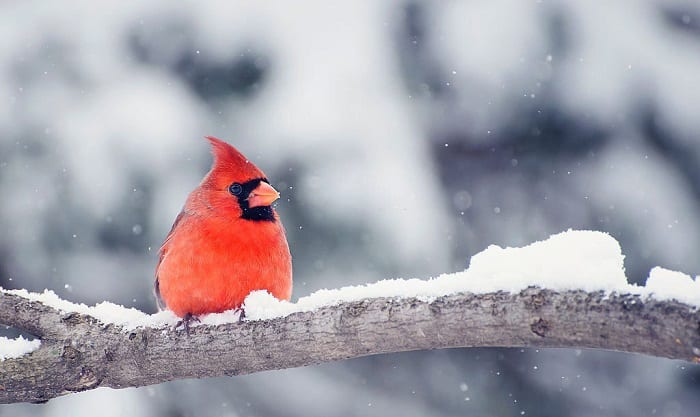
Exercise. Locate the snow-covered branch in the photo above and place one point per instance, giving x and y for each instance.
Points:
(569, 291)
(78, 352)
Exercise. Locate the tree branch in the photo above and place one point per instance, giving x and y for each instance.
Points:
(80, 353)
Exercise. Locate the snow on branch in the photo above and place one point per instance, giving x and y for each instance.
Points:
(568, 291)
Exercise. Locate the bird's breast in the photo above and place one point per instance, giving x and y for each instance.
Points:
(211, 266)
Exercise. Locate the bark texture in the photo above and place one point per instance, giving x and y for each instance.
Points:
(80, 353)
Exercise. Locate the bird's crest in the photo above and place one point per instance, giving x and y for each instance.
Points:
(228, 162)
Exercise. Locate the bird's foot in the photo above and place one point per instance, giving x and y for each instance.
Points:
(241, 316)
(186, 321)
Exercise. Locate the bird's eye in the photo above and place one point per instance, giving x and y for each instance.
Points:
(235, 189)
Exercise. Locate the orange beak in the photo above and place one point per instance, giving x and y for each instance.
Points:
(262, 195)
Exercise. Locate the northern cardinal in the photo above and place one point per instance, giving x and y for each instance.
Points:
(226, 242)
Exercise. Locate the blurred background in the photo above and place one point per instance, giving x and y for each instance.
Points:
(405, 137)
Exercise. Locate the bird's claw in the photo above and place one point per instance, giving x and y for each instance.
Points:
(188, 319)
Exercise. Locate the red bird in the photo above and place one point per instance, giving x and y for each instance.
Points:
(226, 242)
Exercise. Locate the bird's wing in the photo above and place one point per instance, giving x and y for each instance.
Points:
(159, 300)
(162, 253)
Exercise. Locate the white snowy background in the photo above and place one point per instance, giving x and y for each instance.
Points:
(405, 137)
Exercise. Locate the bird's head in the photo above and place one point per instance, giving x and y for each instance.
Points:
(235, 183)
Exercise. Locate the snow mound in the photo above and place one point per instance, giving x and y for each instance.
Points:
(14, 348)
(106, 312)
(666, 284)
(585, 260)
